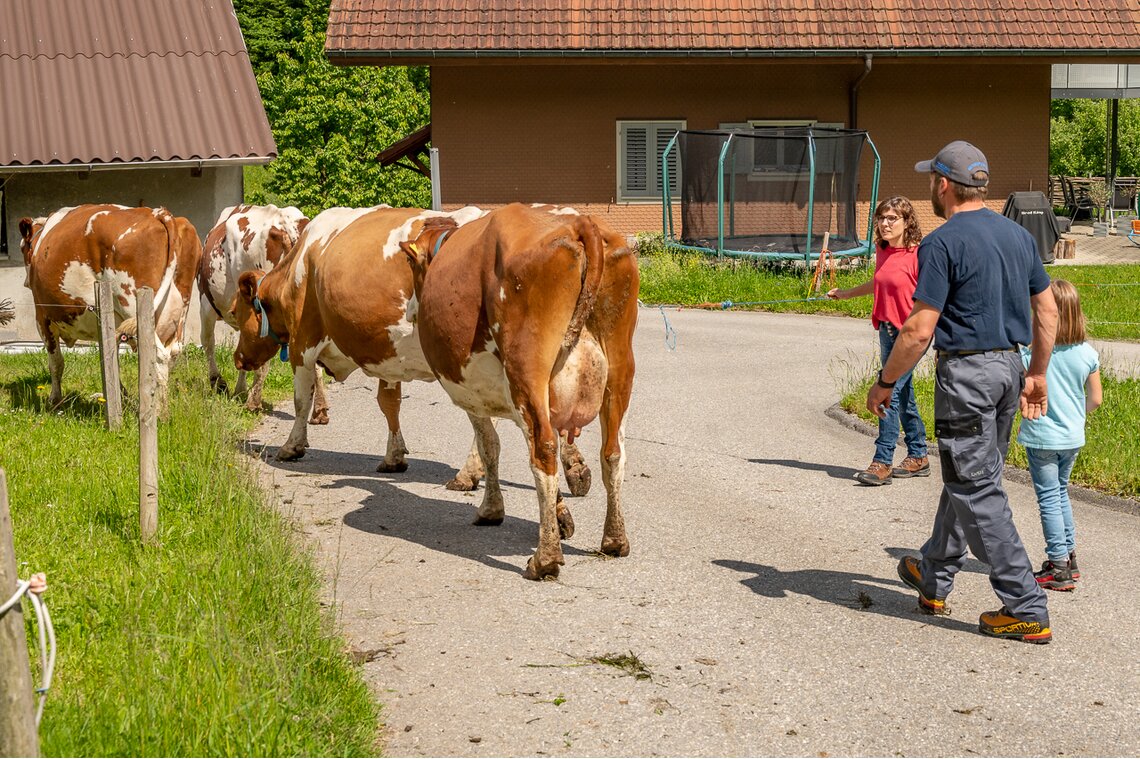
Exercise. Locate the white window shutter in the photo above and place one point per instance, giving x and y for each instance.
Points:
(636, 171)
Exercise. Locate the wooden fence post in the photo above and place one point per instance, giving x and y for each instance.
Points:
(18, 734)
(148, 414)
(109, 352)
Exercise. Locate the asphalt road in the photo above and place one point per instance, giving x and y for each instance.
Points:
(760, 593)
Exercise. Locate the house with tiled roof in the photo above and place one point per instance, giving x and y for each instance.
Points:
(571, 102)
(124, 101)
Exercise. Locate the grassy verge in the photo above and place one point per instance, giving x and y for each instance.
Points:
(1109, 294)
(1110, 460)
(211, 643)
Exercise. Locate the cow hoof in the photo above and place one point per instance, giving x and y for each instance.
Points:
(487, 521)
(290, 454)
(320, 416)
(254, 407)
(565, 522)
(533, 572)
(462, 483)
(219, 384)
(615, 546)
(578, 479)
(399, 466)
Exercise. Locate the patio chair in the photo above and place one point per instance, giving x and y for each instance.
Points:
(1134, 235)
(1076, 199)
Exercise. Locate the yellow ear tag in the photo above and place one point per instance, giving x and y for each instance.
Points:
(415, 250)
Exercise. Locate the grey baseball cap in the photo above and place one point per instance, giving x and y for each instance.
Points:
(958, 161)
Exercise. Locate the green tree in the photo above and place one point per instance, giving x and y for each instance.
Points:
(331, 122)
(1078, 137)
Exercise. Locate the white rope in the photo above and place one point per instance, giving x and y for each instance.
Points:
(33, 589)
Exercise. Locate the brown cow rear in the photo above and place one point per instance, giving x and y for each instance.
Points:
(133, 247)
(530, 316)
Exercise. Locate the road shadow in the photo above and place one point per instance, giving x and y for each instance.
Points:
(438, 524)
(836, 472)
(847, 589)
(971, 565)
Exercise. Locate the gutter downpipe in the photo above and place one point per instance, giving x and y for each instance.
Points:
(854, 96)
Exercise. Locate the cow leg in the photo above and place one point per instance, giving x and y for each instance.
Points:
(209, 319)
(543, 444)
(164, 358)
(253, 398)
(320, 400)
(467, 478)
(294, 447)
(615, 402)
(388, 396)
(491, 510)
(55, 367)
(574, 467)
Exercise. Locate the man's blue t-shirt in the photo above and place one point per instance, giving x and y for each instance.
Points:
(980, 269)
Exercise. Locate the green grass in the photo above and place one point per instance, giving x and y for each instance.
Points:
(1110, 460)
(211, 642)
(669, 276)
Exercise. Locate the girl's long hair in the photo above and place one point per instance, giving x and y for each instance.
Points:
(902, 206)
(1070, 318)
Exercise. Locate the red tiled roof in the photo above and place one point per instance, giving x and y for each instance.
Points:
(109, 81)
(428, 28)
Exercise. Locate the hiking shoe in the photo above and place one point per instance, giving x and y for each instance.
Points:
(1002, 624)
(911, 575)
(876, 474)
(912, 466)
(1073, 566)
(1054, 576)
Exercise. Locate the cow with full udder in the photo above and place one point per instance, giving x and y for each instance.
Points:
(245, 238)
(131, 247)
(529, 315)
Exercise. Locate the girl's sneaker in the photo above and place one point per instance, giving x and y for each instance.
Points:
(1055, 576)
(1076, 573)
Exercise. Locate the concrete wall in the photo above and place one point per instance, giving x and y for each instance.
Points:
(548, 133)
(200, 199)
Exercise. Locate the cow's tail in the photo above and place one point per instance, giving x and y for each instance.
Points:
(592, 244)
(173, 243)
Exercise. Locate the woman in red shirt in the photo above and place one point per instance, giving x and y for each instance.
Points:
(897, 235)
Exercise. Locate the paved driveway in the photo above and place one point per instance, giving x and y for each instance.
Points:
(760, 594)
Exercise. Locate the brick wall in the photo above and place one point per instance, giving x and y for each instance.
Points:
(548, 133)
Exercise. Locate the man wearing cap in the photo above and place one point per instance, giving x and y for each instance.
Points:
(982, 292)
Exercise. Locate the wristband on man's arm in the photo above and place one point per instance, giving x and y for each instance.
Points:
(883, 383)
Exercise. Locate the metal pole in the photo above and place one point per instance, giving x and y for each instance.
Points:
(720, 197)
(148, 415)
(874, 193)
(667, 196)
(109, 353)
(18, 734)
(436, 194)
(811, 196)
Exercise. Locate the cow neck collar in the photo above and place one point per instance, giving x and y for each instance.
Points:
(439, 242)
(263, 319)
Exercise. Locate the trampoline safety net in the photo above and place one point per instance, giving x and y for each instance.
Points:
(768, 193)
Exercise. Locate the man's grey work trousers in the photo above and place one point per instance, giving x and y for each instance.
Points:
(975, 399)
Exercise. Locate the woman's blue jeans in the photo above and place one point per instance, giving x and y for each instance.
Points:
(903, 409)
(1050, 472)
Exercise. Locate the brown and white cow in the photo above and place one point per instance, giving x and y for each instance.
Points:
(339, 300)
(245, 238)
(528, 315)
(132, 247)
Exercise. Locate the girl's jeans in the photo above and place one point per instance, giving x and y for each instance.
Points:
(1050, 472)
(903, 408)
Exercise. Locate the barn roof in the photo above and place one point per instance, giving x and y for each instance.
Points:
(127, 81)
(419, 30)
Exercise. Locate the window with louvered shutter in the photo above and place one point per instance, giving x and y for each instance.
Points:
(640, 147)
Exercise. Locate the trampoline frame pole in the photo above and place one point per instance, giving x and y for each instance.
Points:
(666, 196)
(811, 195)
(720, 197)
(874, 192)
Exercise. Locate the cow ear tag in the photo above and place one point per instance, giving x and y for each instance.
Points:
(284, 352)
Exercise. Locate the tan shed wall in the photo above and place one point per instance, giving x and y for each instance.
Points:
(548, 133)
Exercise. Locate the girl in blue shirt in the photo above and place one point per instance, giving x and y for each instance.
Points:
(1053, 441)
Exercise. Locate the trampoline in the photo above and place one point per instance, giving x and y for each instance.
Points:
(769, 193)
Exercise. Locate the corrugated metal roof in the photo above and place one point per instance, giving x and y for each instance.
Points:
(427, 28)
(113, 81)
